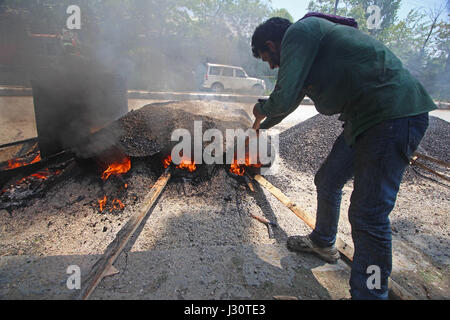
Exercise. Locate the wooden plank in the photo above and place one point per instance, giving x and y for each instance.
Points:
(249, 182)
(285, 298)
(103, 265)
(397, 292)
(441, 162)
(310, 221)
(344, 248)
(10, 144)
(415, 163)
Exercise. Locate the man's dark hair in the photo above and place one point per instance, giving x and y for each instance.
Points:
(273, 30)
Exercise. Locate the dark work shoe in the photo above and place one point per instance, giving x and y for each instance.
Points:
(305, 244)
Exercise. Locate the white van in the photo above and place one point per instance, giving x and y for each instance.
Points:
(219, 77)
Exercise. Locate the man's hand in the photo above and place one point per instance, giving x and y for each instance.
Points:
(258, 116)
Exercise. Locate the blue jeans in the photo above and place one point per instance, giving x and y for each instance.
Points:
(377, 162)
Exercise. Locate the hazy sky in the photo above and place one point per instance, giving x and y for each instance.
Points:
(297, 8)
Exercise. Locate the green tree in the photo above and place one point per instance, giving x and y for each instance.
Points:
(357, 9)
(419, 40)
(158, 46)
(282, 13)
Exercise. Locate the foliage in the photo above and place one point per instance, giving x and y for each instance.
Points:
(158, 45)
(419, 40)
(282, 13)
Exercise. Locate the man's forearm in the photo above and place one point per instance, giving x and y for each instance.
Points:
(274, 120)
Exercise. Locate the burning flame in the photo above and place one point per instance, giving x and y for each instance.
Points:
(37, 159)
(185, 164)
(43, 175)
(167, 161)
(117, 168)
(102, 203)
(16, 163)
(239, 169)
(119, 203)
(116, 204)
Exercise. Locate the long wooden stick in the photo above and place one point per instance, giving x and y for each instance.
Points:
(441, 162)
(104, 264)
(415, 163)
(343, 247)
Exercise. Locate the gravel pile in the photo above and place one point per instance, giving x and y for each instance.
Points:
(436, 142)
(305, 146)
(148, 130)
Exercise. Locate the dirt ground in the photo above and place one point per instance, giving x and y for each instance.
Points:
(200, 241)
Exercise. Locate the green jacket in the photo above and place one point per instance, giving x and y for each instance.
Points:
(343, 71)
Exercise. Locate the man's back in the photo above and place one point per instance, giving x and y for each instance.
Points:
(353, 74)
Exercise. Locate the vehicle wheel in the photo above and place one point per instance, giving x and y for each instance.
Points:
(217, 88)
(257, 90)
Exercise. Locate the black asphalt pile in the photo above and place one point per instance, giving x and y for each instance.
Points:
(305, 146)
(436, 142)
(148, 131)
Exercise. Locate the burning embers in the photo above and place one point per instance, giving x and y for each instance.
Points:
(43, 174)
(117, 168)
(239, 167)
(102, 203)
(186, 164)
(116, 204)
(16, 163)
(24, 179)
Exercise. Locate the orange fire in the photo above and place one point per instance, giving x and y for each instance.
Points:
(102, 203)
(117, 168)
(43, 175)
(12, 164)
(116, 204)
(119, 204)
(37, 159)
(239, 169)
(185, 164)
(167, 161)
(16, 163)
